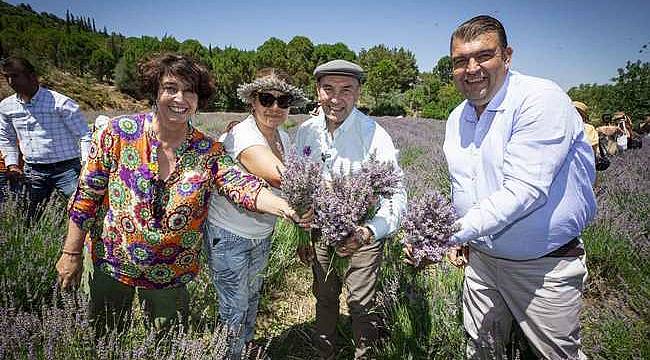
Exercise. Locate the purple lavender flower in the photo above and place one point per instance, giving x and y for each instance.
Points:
(299, 181)
(428, 226)
(383, 176)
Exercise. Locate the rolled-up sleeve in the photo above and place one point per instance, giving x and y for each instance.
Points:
(8, 141)
(540, 142)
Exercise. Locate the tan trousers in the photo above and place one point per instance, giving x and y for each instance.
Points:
(360, 281)
(543, 296)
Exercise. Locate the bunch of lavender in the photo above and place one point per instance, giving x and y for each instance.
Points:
(428, 225)
(299, 181)
(349, 200)
(340, 206)
(382, 175)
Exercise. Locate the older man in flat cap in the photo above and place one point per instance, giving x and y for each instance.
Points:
(343, 138)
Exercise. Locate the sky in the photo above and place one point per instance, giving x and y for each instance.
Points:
(568, 41)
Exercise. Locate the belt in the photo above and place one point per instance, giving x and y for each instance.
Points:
(571, 249)
(52, 166)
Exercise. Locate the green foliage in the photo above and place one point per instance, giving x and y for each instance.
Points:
(327, 52)
(630, 93)
(444, 70)
(231, 67)
(273, 53)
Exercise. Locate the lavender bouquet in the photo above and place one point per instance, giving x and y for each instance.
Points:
(349, 200)
(299, 181)
(428, 225)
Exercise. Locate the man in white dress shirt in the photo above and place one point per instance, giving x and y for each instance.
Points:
(522, 172)
(343, 138)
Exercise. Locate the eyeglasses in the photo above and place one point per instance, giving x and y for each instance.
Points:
(267, 100)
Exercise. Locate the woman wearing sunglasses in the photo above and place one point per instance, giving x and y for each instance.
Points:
(238, 242)
(143, 197)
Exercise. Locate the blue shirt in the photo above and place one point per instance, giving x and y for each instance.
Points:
(50, 128)
(522, 173)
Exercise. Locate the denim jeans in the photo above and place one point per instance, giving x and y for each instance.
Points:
(237, 268)
(43, 179)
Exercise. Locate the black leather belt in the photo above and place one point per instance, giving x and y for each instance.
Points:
(571, 249)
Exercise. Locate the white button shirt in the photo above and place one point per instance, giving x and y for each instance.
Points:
(522, 173)
(345, 150)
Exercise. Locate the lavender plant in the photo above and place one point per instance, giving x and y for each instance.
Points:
(299, 181)
(428, 226)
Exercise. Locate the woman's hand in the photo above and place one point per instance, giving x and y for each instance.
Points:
(69, 269)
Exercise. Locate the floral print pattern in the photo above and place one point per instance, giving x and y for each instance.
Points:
(120, 180)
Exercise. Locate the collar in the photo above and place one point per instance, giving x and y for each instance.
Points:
(496, 104)
(34, 99)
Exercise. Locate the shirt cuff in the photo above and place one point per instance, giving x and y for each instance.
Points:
(462, 236)
(378, 230)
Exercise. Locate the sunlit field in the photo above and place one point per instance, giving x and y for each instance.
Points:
(421, 310)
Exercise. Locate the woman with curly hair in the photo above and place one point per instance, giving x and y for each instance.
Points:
(143, 197)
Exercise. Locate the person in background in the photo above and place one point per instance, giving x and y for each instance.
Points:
(238, 242)
(143, 196)
(610, 132)
(590, 131)
(521, 172)
(47, 128)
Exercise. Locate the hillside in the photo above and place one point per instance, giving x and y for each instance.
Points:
(87, 92)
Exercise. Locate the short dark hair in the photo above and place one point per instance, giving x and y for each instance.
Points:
(477, 26)
(18, 61)
(188, 69)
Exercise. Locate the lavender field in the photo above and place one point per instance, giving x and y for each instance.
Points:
(421, 309)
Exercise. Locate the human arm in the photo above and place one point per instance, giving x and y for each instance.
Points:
(70, 264)
(76, 123)
(390, 209)
(260, 161)
(82, 209)
(8, 142)
(540, 139)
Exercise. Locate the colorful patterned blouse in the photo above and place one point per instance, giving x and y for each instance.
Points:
(150, 236)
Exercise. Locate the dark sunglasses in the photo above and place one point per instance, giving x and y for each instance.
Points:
(267, 100)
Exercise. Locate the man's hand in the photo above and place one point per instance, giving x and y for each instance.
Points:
(69, 268)
(306, 219)
(362, 235)
(14, 173)
(408, 257)
(458, 255)
(306, 254)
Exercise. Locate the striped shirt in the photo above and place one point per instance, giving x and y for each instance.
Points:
(49, 128)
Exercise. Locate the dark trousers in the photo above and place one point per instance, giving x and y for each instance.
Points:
(43, 179)
(360, 280)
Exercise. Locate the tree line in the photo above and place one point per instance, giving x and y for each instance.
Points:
(393, 86)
